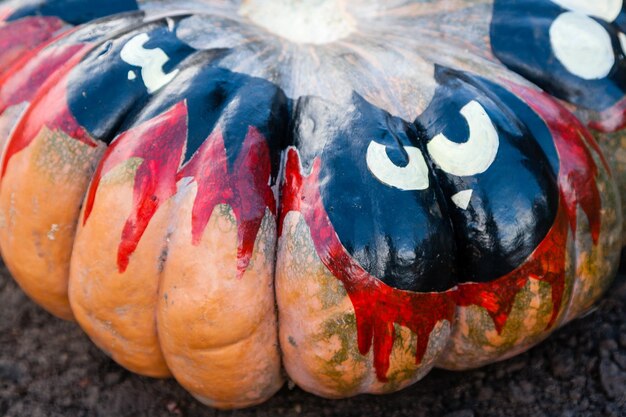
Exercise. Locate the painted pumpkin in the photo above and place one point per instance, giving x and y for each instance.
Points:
(229, 191)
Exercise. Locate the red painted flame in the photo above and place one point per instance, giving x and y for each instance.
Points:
(245, 189)
(578, 171)
(160, 144)
(21, 36)
(21, 82)
(48, 108)
(377, 306)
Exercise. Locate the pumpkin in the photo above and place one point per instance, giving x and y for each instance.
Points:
(344, 194)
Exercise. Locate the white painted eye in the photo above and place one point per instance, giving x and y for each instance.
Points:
(150, 61)
(413, 176)
(582, 45)
(604, 9)
(476, 154)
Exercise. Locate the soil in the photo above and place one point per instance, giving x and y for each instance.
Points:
(50, 368)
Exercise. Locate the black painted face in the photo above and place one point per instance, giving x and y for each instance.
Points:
(74, 12)
(466, 193)
(573, 50)
(396, 230)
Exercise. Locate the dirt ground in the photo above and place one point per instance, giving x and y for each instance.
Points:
(49, 368)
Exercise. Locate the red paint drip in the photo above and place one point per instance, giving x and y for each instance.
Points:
(245, 189)
(377, 306)
(159, 142)
(23, 35)
(48, 109)
(546, 264)
(612, 119)
(578, 171)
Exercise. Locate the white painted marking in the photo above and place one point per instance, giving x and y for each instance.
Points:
(622, 41)
(131, 75)
(150, 61)
(475, 155)
(462, 199)
(582, 45)
(604, 9)
(413, 176)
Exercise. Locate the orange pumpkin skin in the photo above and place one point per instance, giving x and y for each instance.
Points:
(48, 229)
(190, 235)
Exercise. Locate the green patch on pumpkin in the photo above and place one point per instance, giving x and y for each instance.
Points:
(516, 331)
(332, 292)
(296, 242)
(123, 173)
(614, 147)
(343, 328)
(305, 261)
(597, 263)
(407, 345)
(63, 157)
(264, 245)
(227, 213)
